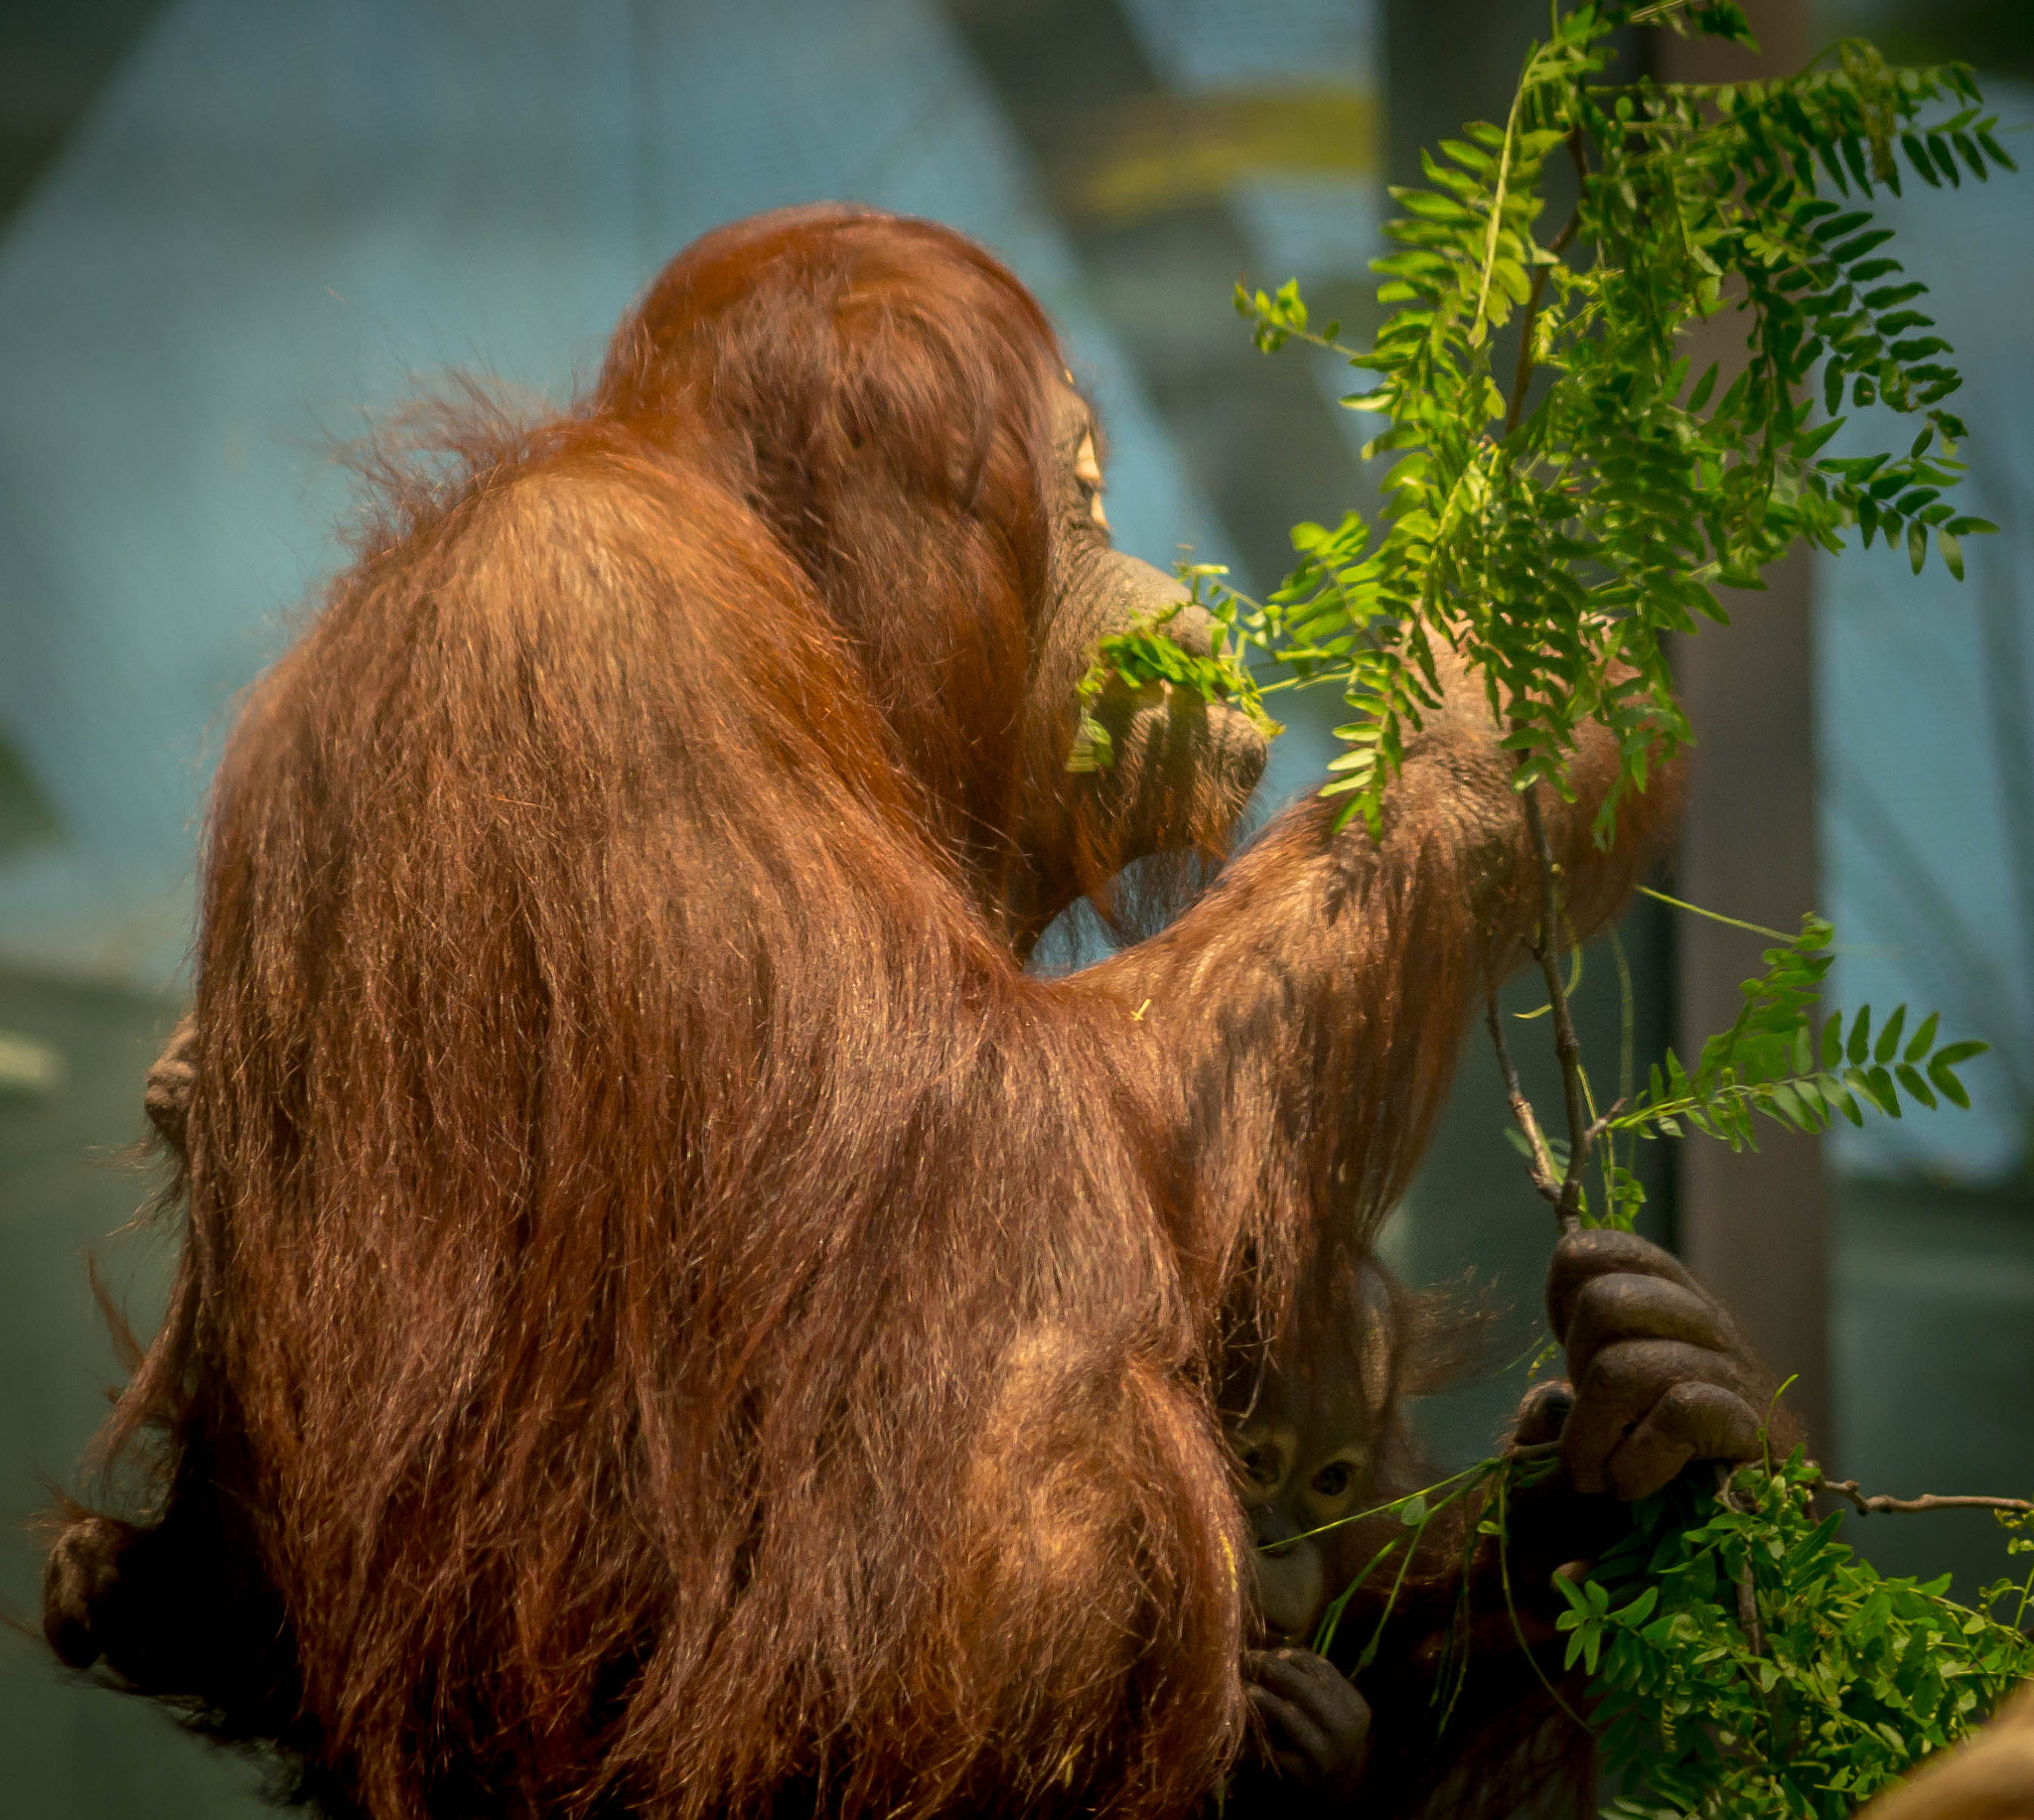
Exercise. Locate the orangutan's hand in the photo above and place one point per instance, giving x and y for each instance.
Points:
(1989, 1776)
(167, 1097)
(1317, 1726)
(1660, 1373)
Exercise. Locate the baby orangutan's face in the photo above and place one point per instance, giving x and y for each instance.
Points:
(1305, 1459)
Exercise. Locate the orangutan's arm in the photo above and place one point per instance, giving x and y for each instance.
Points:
(1313, 1003)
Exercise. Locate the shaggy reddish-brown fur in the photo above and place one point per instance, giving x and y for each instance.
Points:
(673, 1318)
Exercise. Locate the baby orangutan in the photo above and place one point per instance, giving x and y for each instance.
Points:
(1322, 1442)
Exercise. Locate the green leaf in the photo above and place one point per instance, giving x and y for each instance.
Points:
(1883, 1090)
(1860, 1035)
(1910, 1078)
(1641, 1609)
(1888, 1045)
(1788, 1102)
(1924, 1039)
(1838, 1095)
(1852, 250)
(1946, 1084)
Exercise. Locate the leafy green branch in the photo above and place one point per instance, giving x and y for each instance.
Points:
(1854, 1677)
(1557, 533)
(1777, 1060)
(1555, 546)
(1556, 540)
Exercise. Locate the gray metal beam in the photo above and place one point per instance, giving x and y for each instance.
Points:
(1753, 1225)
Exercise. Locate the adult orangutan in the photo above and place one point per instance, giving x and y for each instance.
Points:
(673, 1318)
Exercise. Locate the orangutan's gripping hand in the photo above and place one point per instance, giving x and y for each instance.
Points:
(1317, 1726)
(167, 1097)
(1660, 1373)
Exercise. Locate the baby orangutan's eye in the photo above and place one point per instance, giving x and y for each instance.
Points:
(1262, 1467)
(1332, 1480)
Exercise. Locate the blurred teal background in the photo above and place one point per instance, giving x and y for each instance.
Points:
(233, 231)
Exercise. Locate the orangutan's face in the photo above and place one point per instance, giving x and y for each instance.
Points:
(1183, 767)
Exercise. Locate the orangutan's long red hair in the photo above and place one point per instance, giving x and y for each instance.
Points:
(672, 1319)
(665, 1324)
(887, 414)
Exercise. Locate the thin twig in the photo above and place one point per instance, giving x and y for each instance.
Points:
(1566, 1200)
(1540, 1159)
(1354, 355)
(1521, 375)
(1603, 1121)
(1494, 229)
(1880, 1505)
(1747, 1589)
(1747, 1611)
(1581, 1133)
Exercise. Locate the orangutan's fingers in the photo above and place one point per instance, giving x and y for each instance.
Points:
(1308, 1702)
(1628, 1305)
(1691, 1421)
(1542, 1413)
(1298, 1745)
(1289, 1672)
(1588, 1252)
(167, 1097)
(1317, 1684)
(1624, 1381)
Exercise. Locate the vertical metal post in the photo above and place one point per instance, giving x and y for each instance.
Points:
(1752, 1226)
